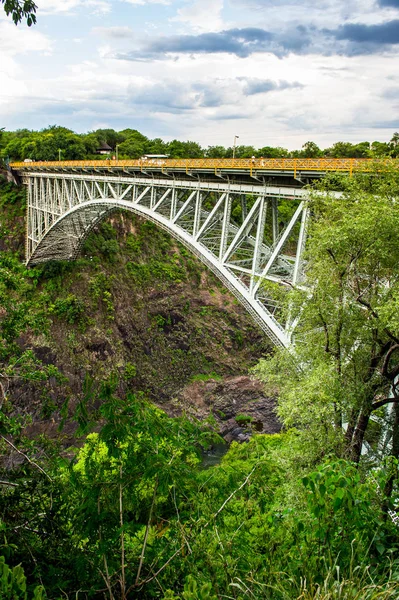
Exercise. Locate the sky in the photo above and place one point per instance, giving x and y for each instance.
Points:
(273, 72)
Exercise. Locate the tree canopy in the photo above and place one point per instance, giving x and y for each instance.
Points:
(344, 371)
(21, 9)
(55, 141)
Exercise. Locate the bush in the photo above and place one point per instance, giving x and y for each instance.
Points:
(71, 309)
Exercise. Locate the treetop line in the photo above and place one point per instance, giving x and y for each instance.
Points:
(60, 143)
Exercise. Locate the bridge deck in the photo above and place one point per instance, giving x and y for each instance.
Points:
(215, 167)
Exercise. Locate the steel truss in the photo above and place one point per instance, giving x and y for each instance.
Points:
(236, 230)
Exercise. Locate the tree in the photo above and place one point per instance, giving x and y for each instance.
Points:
(311, 150)
(394, 145)
(178, 149)
(379, 149)
(131, 147)
(21, 9)
(270, 152)
(215, 152)
(241, 152)
(346, 362)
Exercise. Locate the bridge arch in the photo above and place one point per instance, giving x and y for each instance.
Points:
(67, 248)
(64, 208)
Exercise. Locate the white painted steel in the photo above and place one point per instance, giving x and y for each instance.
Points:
(64, 207)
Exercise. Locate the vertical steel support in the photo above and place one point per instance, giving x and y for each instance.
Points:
(244, 208)
(211, 215)
(173, 204)
(279, 245)
(275, 220)
(197, 213)
(243, 231)
(185, 205)
(260, 231)
(225, 226)
(297, 275)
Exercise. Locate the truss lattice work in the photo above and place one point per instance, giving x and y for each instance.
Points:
(236, 230)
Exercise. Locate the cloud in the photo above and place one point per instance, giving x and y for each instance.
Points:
(173, 97)
(18, 40)
(393, 3)
(263, 86)
(240, 42)
(68, 6)
(348, 40)
(143, 2)
(391, 93)
(121, 32)
(382, 34)
(202, 15)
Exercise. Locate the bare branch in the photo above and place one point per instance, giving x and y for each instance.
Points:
(9, 483)
(31, 462)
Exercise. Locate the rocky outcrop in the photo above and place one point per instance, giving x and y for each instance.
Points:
(238, 405)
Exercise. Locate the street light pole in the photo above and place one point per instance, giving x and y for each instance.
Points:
(59, 154)
(236, 137)
(116, 150)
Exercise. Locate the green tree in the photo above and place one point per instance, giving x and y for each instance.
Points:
(346, 361)
(311, 150)
(379, 149)
(271, 152)
(241, 152)
(21, 9)
(178, 149)
(132, 147)
(394, 145)
(125, 486)
(215, 152)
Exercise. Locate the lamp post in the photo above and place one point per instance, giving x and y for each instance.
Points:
(236, 137)
(59, 154)
(116, 151)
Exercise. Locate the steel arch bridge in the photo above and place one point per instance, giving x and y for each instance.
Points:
(234, 224)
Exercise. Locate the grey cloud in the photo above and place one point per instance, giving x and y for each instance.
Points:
(172, 97)
(262, 86)
(383, 34)
(229, 117)
(392, 124)
(348, 40)
(394, 3)
(391, 93)
(177, 98)
(241, 42)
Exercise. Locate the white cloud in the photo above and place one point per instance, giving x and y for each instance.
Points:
(68, 6)
(209, 98)
(201, 15)
(114, 33)
(143, 2)
(18, 40)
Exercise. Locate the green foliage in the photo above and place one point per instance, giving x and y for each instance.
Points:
(206, 377)
(130, 371)
(13, 584)
(192, 591)
(57, 142)
(347, 335)
(344, 510)
(70, 308)
(243, 419)
(20, 9)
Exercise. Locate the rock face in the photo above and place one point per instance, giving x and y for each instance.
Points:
(137, 305)
(237, 403)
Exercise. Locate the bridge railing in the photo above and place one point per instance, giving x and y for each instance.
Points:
(215, 164)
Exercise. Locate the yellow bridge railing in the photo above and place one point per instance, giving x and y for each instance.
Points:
(215, 164)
